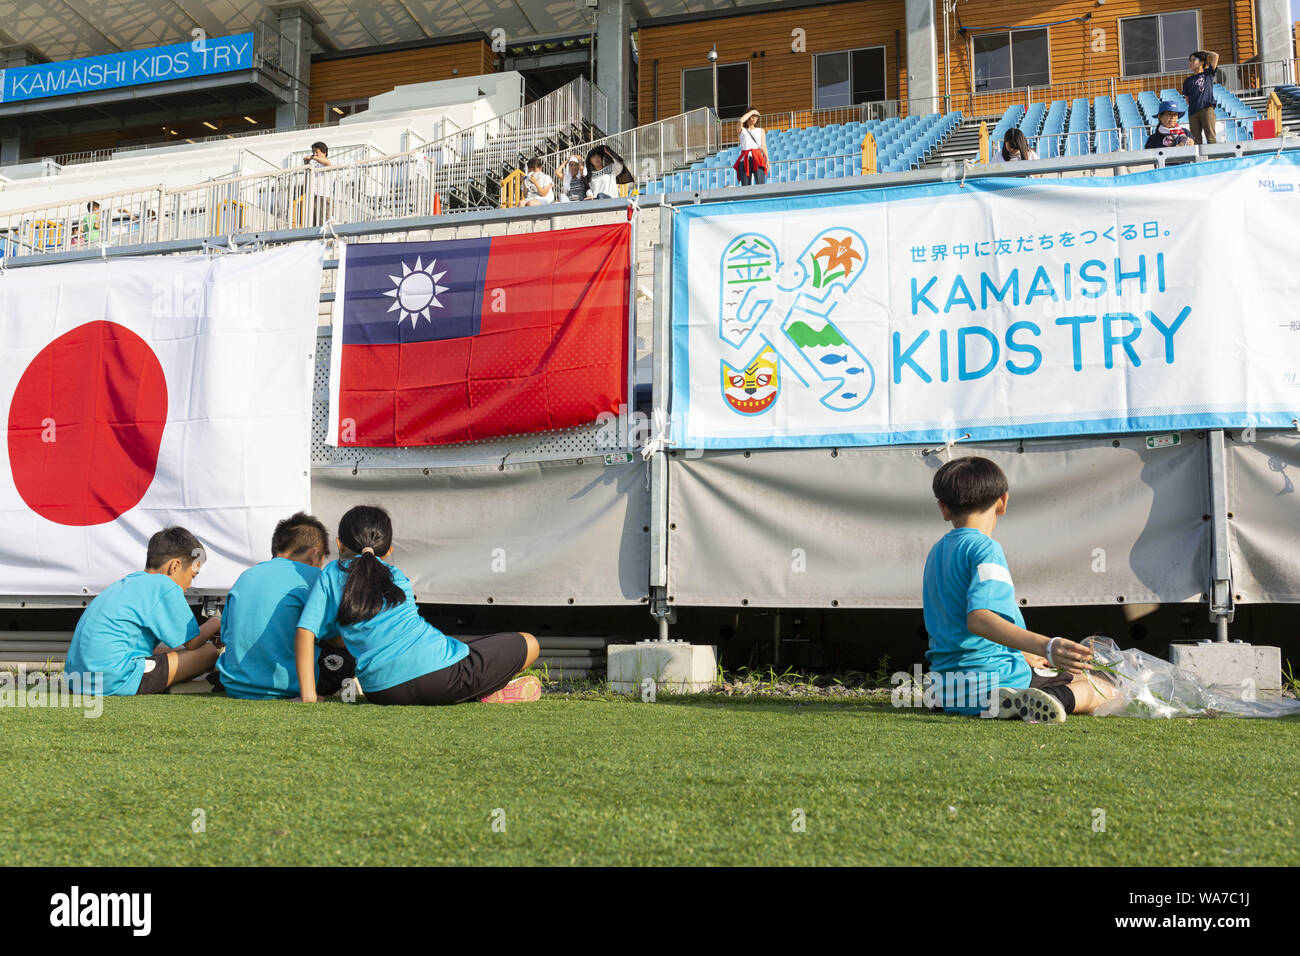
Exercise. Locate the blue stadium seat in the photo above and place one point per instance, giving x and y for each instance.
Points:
(1104, 124)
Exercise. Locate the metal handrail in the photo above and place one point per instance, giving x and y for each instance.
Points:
(654, 149)
(1236, 78)
(811, 118)
(458, 166)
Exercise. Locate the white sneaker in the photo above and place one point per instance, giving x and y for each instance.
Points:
(1031, 705)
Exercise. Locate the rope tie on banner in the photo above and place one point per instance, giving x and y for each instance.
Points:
(946, 447)
(632, 207)
(329, 224)
(659, 442)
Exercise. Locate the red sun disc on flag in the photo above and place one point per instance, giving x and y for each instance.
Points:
(85, 425)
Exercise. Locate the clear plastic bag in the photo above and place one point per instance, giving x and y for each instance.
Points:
(1143, 685)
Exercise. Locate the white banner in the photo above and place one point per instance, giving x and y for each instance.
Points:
(139, 393)
(997, 308)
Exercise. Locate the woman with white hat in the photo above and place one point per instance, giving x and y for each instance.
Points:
(751, 166)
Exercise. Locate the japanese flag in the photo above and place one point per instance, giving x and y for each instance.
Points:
(139, 393)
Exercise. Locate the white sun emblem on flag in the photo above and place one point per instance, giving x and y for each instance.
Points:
(417, 292)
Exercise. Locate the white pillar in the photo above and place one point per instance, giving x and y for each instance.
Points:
(614, 60)
(1273, 19)
(923, 87)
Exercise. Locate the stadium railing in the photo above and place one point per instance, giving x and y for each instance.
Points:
(798, 169)
(652, 150)
(809, 119)
(463, 168)
(1256, 76)
(1236, 77)
(348, 153)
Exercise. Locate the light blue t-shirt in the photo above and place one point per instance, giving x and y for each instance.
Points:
(258, 627)
(394, 646)
(123, 625)
(967, 571)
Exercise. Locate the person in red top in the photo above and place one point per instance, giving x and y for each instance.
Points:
(751, 167)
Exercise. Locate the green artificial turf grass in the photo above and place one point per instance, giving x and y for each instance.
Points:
(684, 780)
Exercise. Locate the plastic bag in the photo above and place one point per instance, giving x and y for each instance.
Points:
(1142, 685)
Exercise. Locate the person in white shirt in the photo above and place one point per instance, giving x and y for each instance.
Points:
(751, 165)
(539, 188)
(605, 170)
(1015, 147)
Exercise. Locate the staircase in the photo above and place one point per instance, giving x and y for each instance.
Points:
(962, 143)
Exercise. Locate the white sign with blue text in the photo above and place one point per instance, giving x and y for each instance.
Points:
(1002, 308)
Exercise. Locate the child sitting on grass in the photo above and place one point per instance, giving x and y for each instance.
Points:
(261, 618)
(977, 635)
(119, 634)
(401, 657)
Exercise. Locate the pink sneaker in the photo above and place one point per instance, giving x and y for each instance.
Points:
(518, 691)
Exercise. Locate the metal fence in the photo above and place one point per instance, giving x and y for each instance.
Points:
(462, 168)
(807, 119)
(652, 150)
(1236, 77)
(801, 169)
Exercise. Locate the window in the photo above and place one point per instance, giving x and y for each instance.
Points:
(337, 110)
(849, 77)
(1159, 44)
(1016, 58)
(733, 89)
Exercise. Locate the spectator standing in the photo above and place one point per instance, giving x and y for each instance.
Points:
(539, 188)
(1015, 147)
(574, 185)
(1168, 132)
(320, 155)
(319, 159)
(752, 165)
(1198, 89)
(90, 223)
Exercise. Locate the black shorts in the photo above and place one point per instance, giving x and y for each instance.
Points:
(154, 680)
(492, 662)
(1044, 681)
(334, 665)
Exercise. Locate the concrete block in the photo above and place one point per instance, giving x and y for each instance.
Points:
(1230, 664)
(675, 666)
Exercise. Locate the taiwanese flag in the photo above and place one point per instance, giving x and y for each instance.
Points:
(439, 342)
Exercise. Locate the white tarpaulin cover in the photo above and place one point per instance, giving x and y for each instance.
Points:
(1001, 308)
(138, 393)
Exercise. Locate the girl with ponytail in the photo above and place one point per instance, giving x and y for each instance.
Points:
(401, 658)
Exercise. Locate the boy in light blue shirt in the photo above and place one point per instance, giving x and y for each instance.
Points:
(261, 618)
(120, 634)
(980, 651)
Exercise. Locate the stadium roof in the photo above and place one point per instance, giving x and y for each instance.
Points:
(66, 29)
